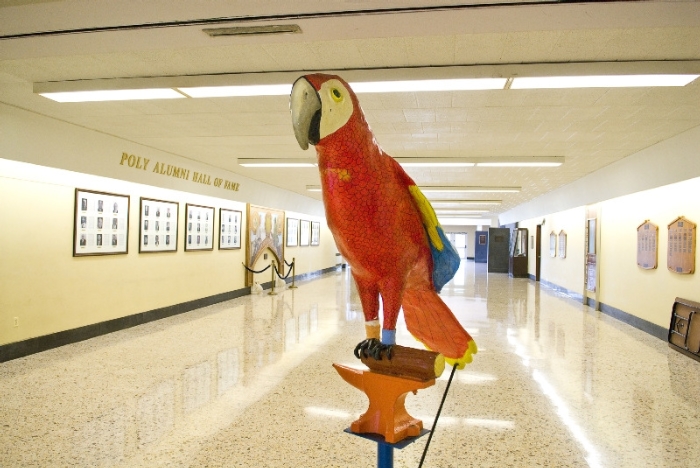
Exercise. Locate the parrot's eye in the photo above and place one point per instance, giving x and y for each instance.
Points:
(337, 96)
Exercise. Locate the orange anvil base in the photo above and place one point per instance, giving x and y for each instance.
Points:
(386, 414)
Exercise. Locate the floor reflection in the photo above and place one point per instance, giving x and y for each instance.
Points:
(554, 384)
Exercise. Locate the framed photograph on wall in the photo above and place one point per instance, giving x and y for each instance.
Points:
(315, 233)
(158, 225)
(304, 233)
(100, 224)
(292, 232)
(199, 227)
(230, 229)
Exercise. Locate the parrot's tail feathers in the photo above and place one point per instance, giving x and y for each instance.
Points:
(466, 358)
(432, 323)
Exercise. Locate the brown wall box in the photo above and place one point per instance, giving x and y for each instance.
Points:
(684, 331)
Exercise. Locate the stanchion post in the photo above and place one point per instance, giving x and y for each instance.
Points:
(294, 273)
(272, 291)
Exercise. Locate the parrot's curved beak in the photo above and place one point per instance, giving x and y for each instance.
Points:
(305, 106)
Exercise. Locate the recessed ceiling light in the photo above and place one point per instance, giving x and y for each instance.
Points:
(231, 91)
(458, 212)
(465, 189)
(604, 81)
(511, 161)
(449, 203)
(406, 86)
(279, 162)
(114, 95)
(313, 188)
(434, 162)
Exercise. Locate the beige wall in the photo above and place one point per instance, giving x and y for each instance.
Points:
(565, 272)
(648, 294)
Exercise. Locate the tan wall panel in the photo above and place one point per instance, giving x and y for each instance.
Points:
(648, 294)
(49, 290)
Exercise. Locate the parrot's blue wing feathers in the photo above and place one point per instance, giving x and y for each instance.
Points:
(445, 261)
(445, 257)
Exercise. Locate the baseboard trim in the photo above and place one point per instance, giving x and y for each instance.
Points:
(637, 322)
(31, 346)
(620, 315)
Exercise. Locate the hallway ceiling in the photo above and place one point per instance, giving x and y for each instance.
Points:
(67, 40)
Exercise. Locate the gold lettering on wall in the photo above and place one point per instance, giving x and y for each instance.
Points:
(140, 163)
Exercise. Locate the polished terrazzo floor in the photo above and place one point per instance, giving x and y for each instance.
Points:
(249, 383)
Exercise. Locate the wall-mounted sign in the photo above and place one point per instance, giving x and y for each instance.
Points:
(647, 245)
(681, 246)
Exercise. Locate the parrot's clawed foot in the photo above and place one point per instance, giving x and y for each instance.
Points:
(373, 348)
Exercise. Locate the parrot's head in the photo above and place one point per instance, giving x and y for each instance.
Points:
(320, 105)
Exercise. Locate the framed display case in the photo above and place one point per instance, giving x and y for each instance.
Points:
(265, 234)
(292, 232)
(519, 254)
(158, 225)
(199, 227)
(552, 244)
(230, 229)
(315, 232)
(681, 246)
(100, 223)
(562, 244)
(647, 245)
(304, 232)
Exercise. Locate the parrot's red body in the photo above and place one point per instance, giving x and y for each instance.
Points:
(374, 210)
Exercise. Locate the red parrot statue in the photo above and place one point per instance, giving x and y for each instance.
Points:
(381, 222)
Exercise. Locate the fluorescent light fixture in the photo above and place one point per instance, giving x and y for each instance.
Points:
(454, 203)
(464, 221)
(459, 212)
(526, 161)
(278, 162)
(434, 162)
(545, 161)
(466, 189)
(601, 81)
(229, 91)
(466, 84)
(114, 95)
(313, 188)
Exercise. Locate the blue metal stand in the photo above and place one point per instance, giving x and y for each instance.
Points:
(385, 455)
(385, 451)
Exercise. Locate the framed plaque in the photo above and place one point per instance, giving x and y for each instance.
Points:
(681, 246)
(304, 232)
(230, 229)
(315, 233)
(158, 224)
(647, 245)
(292, 232)
(100, 224)
(199, 227)
(552, 244)
(562, 244)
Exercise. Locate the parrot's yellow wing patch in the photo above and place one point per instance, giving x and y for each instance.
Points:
(430, 221)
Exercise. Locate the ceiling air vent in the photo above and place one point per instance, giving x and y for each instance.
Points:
(253, 30)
